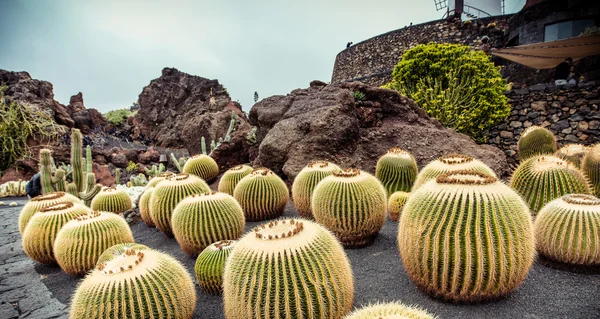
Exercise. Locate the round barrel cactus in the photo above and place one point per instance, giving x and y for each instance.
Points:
(591, 168)
(200, 220)
(37, 203)
(288, 268)
(230, 178)
(159, 178)
(262, 195)
(397, 170)
(541, 179)
(305, 183)
(467, 237)
(573, 153)
(40, 233)
(210, 265)
(134, 281)
(352, 204)
(396, 204)
(447, 163)
(113, 200)
(168, 193)
(535, 140)
(202, 166)
(82, 240)
(391, 310)
(145, 206)
(568, 230)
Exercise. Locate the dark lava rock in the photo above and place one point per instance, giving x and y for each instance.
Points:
(85, 119)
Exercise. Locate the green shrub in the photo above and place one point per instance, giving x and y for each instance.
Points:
(117, 117)
(458, 86)
(131, 167)
(359, 96)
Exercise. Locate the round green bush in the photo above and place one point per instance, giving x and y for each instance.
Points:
(37, 203)
(447, 163)
(230, 178)
(202, 166)
(535, 141)
(305, 183)
(397, 170)
(210, 265)
(392, 310)
(113, 200)
(262, 195)
(396, 203)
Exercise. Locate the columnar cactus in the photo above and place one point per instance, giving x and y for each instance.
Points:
(113, 200)
(82, 240)
(37, 203)
(352, 204)
(210, 265)
(145, 207)
(568, 230)
(288, 269)
(466, 237)
(202, 166)
(133, 281)
(535, 140)
(305, 183)
(397, 170)
(541, 179)
(76, 159)
(200, 220)
(573, 153)
(168, 193)
(40, 232)
(230, 178)
(591, 168)
(262, 195)
(396, 204)
(159, 178)
(390, 310)
(447, 163)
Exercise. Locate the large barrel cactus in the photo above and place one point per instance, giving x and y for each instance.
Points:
(288, 269)
(591, 168)
(391, 310)
(210, 265)
(82, 240)
(466, 237)
(202, 166)
(113, 200)
(534, 141)
(352, 204)
(262, 195)
(541, 179)
(396, 204)
(447, 163)
(144, 204)
(305, 183)
(37, 203)
(159, 178)
(397, 170)
(573, 153)
(231, 177)
(133, 281)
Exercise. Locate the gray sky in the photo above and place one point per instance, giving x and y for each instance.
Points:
(110, 49)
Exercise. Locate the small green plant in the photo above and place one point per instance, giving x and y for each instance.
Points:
(117, 117)
(214, 144)
(358, 96)
(131, 167)
(396, 203)
(179, 163)
(251, 136)
(155, 170)
(590, 31)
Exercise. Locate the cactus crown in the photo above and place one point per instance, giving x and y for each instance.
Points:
(48, 196)
(453, 159)
(530, 129)
(574, 149)
(349, 172)
(546, 163)
(398, 152)
(465, 177)
(278, 229)
(57, 207)
(237, 168)
(89, 216)
(108, 189)
(581, 199)
(262, 171)
(179, 177)
(124, 262)
(318, 164)
(223, 244)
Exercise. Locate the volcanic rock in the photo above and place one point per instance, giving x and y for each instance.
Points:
(85, 119)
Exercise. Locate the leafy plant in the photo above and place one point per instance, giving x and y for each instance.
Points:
(131, 167)
(358, 96)
(117, 117)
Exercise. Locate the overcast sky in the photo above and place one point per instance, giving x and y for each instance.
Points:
(110, 49)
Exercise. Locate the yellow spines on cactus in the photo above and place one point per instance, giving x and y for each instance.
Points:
(573, 153)
(159, 178)
(397, 170)
(352, 204)
(231, 177)
(37, 203)
(168, 193)
(82, 240)
(395, 204)
(145, 207)
(202, 166)
(567, 230)
(466, 237)
(40, 233)
(591, 168)
(534, 141)
(305, 183)
(210, 265)
(391, 310)
(289, 268)
(262, 195)
(133, 281)
(447, 163)
(541, 179)
(200, 220)
(113, 200)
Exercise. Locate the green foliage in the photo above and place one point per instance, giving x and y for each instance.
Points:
(359, 96)
(131, 167)
(139, 180)
(179, 163)
(155, 170)
(590, 31)
(214, 144)
(117, 117)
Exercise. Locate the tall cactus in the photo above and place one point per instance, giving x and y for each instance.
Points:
(46, 171)
(117, 176)
(76, 159)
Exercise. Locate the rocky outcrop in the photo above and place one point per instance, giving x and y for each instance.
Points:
(85, 119)
(326, 122)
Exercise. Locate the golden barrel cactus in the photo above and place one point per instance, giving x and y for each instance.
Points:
(230, 178)
(210, 265)
(144, 204)
(159, 178)
(396, 204)
(305, 183)
(262, 195)
(397, 170)
(591, 168)
(573, 153)
(391, 310)
(202, 166)
(447, 163)
(37, 203)
(534, 141)
(113, 200)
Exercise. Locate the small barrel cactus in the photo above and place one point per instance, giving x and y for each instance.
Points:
(145, 207)
(40, 233)
(534, 141)
(200, 220)
(37, 203)
(202, 166)
(397, 170)
(466, 237)
(113, 200)
(230, 178)
(159, 178)
(305, 183)
(262, 195)
(288, 269)
(591, 168)
(210, 265)
(82, 240)
(168, 193)
(389, 311)
(573, 153)
(134, 281)
(447, 163)
(541, 179)
(396, 203)
(568, 230)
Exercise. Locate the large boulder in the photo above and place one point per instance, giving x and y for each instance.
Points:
(85, 119)
(325, 122)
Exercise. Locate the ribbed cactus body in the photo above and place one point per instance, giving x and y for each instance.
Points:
(37, 203)
(262, 195)
(202, 166)
(392, 310)
(40, 233)
(82, 240)
(159, 178)
(573, 153)
(231, 177)
(568, 230)
(591, 168)
(397, 171)
(466, 237)
(534, 141)
(305, 183)
(77, 159)
(447, 163)
(168, 193)
(396, 203)
(135, 282)
(288, 269)
(113, 200)
(46, 171)
(352, 204)
(210, 266)
(144, 204)
(200, 220)
(541, 179)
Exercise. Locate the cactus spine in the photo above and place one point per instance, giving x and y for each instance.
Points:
(591, 168)
(210, 265)
(397, 171)
(113, 200)
(76, 159)
(145, 207)
(573, 153)
(447, 163)
(389, 311)
(202, 166)
(39, 202)
(288, 269)
(230, 178)
(396, 204)
(305, 183)
(535, 141)
(262, 195)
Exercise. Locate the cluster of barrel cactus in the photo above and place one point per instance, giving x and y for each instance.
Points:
(573, 153)
(13, 188)
(37, 203)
